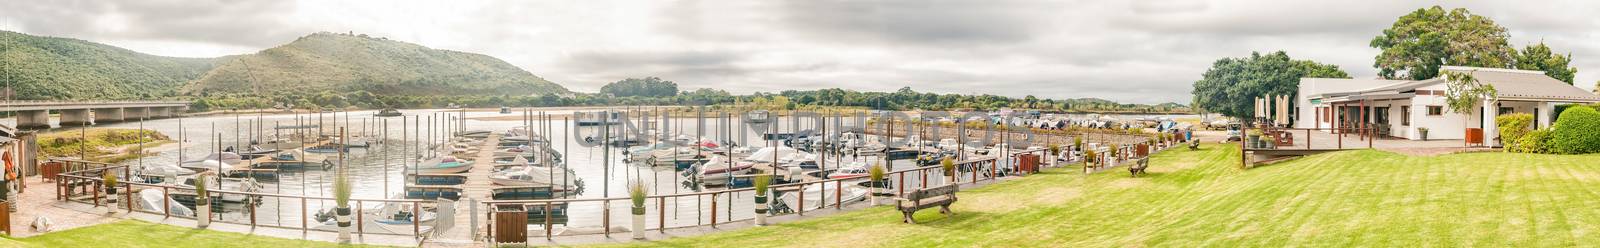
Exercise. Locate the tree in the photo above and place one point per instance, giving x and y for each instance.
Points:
(1424, 40)
(1538, 57)
(647, 87)
(1231, 85)
(1464, 92)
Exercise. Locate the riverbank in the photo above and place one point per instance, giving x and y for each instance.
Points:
(108, 145)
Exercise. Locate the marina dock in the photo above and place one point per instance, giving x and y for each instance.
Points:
(477, 188)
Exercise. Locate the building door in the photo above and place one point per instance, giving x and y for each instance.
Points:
(1380, 120)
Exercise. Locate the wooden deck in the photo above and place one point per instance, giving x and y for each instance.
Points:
(477, 187)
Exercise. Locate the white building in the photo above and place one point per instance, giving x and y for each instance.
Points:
(1397, 108)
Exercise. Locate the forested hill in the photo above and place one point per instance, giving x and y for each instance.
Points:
(343, 63)
(39, 67)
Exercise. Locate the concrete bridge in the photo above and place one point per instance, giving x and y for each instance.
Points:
(36, 114)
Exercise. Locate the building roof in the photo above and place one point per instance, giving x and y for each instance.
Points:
(1525, 84)
(1509, 83)
(1341, 86)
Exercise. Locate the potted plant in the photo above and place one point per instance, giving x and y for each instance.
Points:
(876, 173)
(1115, 155)
(636, 193)
(110, 180)
(1269, 142)
(761, 183)
(202, 202)
(1077, 143)
(949, 167)
(341, 197)
(1253, 138)
(1423, 131)
(1088, 160)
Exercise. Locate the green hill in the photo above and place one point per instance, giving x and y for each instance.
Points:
(340, 63)
(39, 67)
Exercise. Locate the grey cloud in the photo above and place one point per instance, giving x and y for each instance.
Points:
(246, 23)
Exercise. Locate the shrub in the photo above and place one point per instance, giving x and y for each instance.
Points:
(876, 172)
(1513, 127)
(949, 166)
(636, 193)
(1536, 141)
(341, 189)
(1077, 142)
(109, 178)
(1577, 132)
(1055, 150)
(761, 183)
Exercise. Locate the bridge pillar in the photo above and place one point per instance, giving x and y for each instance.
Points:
(33, 119)
(134, 114)
(107, 115)
(74, 117)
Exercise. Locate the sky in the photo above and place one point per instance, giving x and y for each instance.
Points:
(1127, 51)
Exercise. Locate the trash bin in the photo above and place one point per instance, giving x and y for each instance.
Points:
(510, 223)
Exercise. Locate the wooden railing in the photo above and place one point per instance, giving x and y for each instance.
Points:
(986, 167)
(90, 178)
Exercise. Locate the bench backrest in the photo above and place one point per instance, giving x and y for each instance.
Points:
(934, 191)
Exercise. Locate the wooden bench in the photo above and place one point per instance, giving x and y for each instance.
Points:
(1138, 167)
(941, 196)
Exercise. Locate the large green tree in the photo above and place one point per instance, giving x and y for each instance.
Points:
(1424, 40)
(1231, 85)
(648, 87)
(1539, 57)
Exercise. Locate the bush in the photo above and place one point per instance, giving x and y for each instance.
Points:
(1577, 132)
(1536, 141)
(1513, 127)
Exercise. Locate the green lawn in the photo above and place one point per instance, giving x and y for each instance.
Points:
(1201, 198)
(135, 233)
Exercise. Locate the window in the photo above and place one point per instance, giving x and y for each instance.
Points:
(1507, 110)
(1435, 110)
(1405, 115)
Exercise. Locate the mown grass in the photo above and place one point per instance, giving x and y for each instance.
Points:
(135, 233)
(1202, 199)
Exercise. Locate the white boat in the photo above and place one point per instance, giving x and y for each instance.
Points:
(151, 200)
(672, 156)
(225, 157)
(186, 187)
(221, 167)
(815, 198)
(852, 169)
(440, 165)
(534, 176)
(162, 172)
(715, 171)
(640, 153)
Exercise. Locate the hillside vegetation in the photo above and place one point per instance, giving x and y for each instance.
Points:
(39, 67)
(1201, 199)
(344, 63)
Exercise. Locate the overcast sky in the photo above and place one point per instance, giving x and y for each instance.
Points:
(1130, 51)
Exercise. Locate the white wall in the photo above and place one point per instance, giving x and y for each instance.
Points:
(1446, 126)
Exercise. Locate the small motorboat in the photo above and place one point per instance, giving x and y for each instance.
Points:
(151, 200)
(433, 192)
(326, 148)
(815, 199)
(254, 151)
(533, 176)
(673, 156)
(220, 167)
(442, 164)
(185, 189)
(851, 170)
